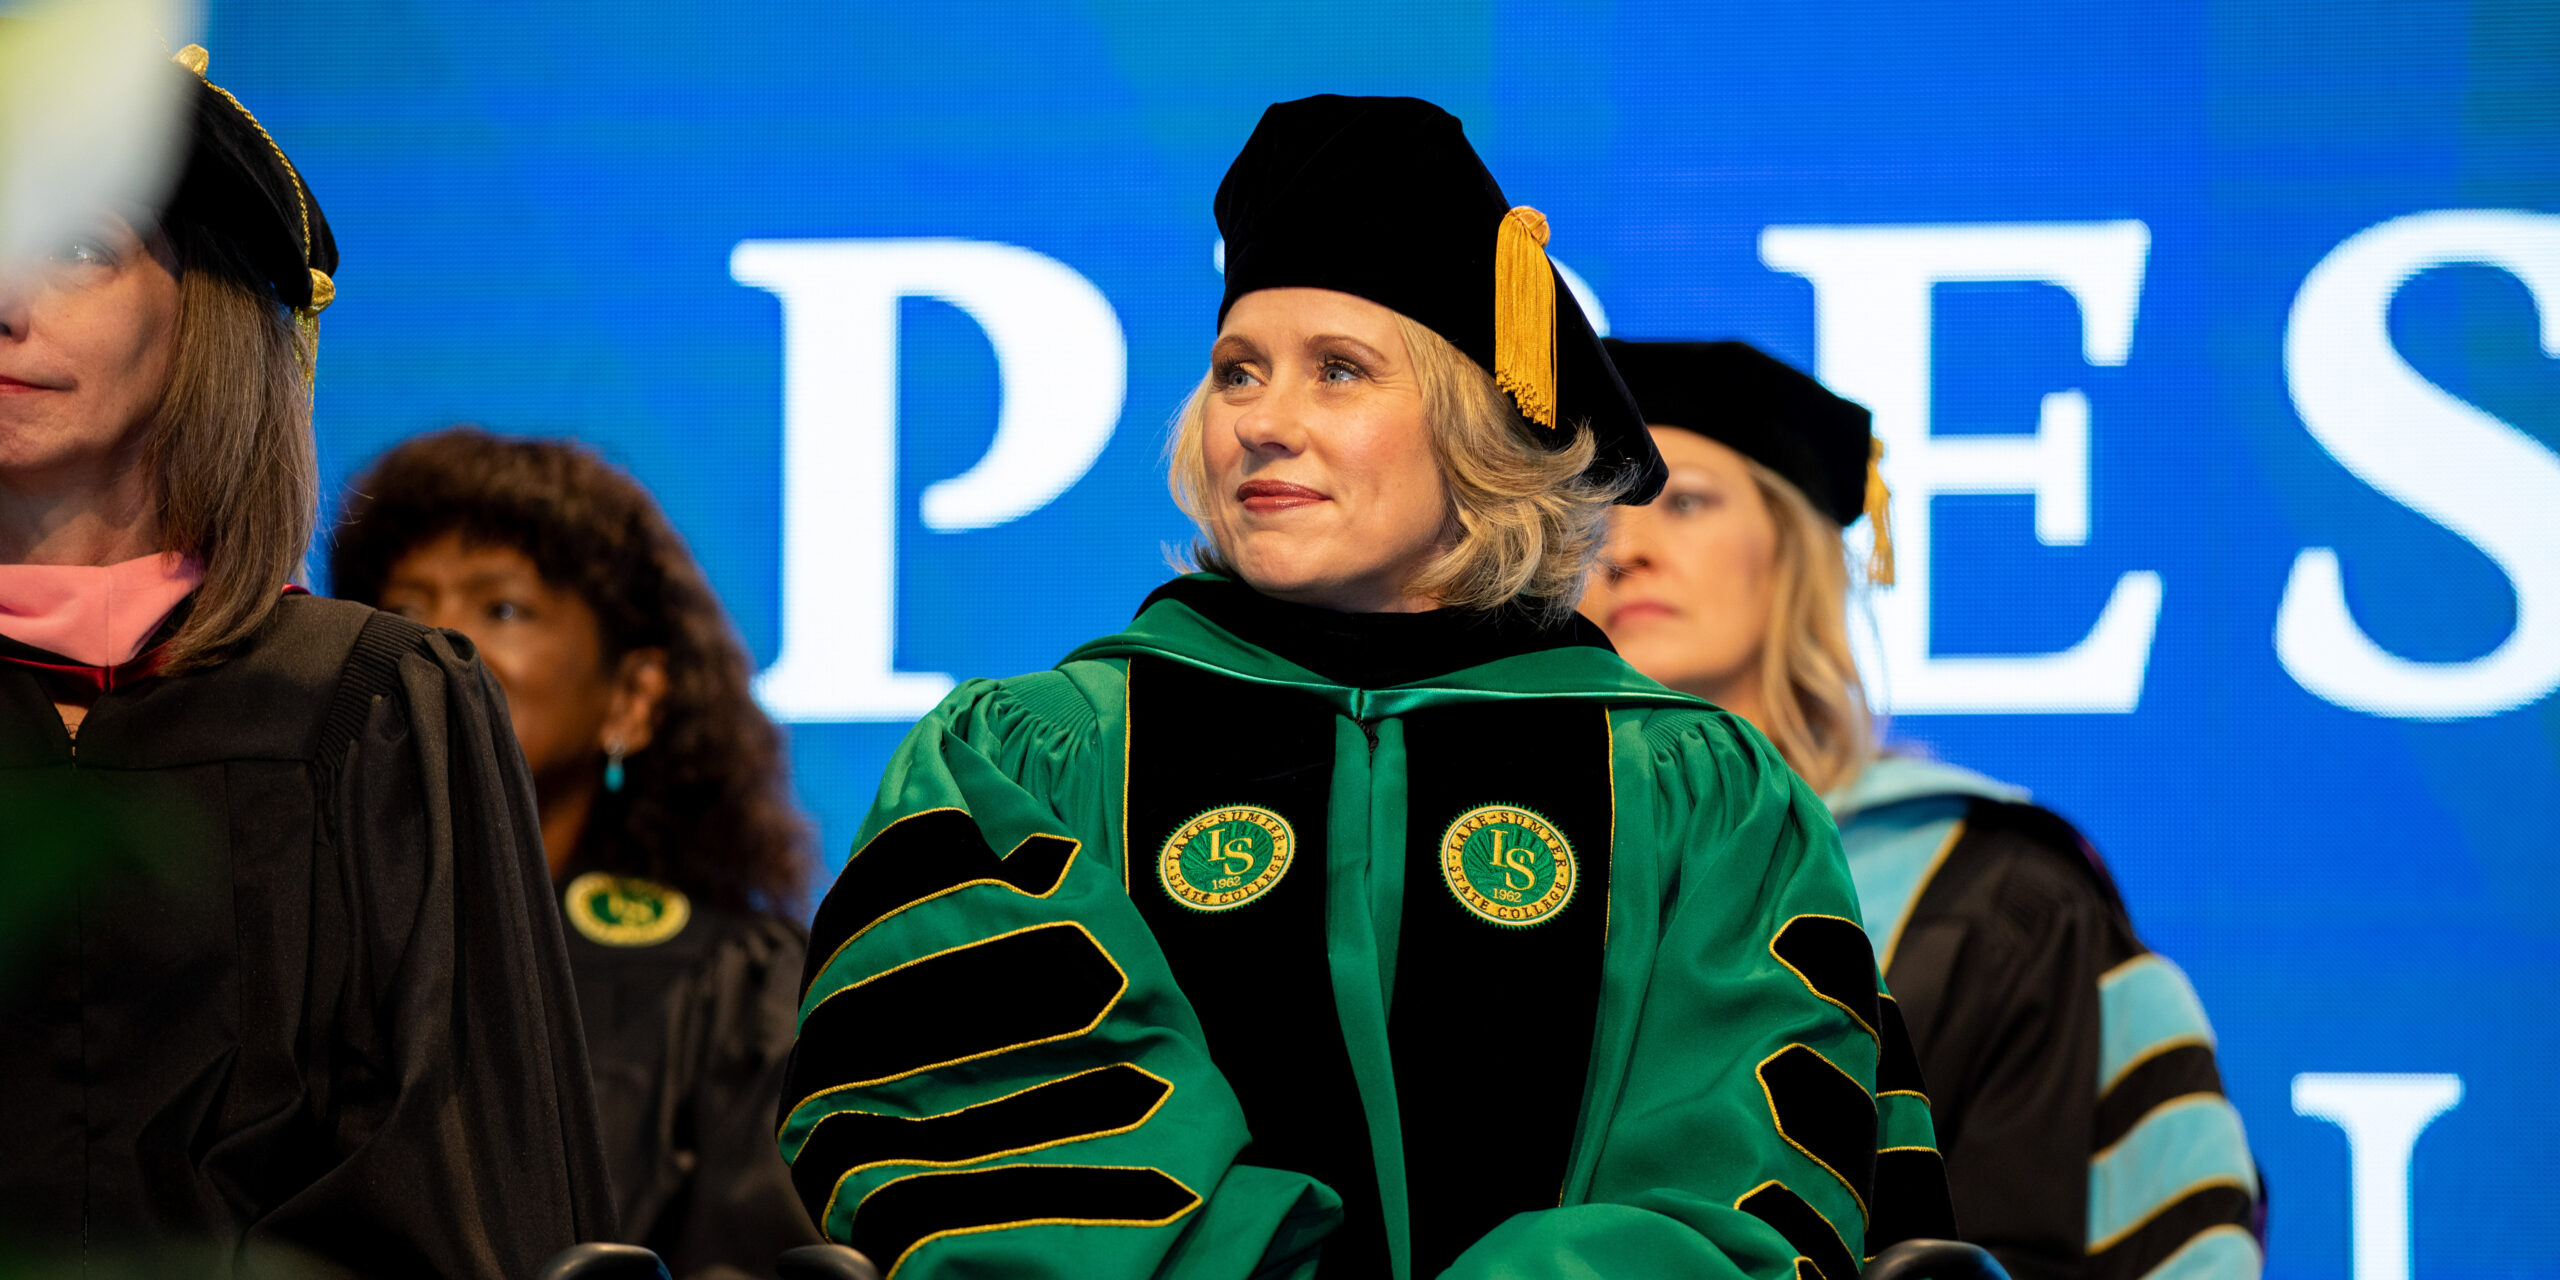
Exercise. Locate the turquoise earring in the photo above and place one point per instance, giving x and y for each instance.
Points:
(613, 766)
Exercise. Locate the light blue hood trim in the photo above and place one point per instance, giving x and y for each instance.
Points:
(1898, 819)
(1892, 780)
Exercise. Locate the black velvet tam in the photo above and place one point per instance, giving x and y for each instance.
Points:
(238, 184)
(1762, 407)
(1383, 198)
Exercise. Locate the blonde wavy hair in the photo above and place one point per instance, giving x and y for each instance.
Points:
(1525, 522)
(1810, 696)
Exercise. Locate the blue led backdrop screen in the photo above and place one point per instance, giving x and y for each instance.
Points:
(2216, 347)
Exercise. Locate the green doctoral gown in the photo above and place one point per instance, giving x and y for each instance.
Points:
(1261, 940)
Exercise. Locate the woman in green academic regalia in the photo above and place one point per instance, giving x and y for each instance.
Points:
(1356, 911)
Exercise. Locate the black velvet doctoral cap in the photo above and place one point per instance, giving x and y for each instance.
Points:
(1761, 407)
(1383, 199)
(238, 184)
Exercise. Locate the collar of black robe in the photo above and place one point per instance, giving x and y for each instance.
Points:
(1372, 650)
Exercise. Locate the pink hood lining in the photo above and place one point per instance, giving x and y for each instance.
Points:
(97, 616)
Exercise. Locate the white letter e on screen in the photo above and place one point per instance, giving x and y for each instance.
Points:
(1873, 325)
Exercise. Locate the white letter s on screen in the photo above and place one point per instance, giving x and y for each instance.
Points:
(2480, 478)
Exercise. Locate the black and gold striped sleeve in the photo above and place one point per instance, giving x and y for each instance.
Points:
(1875, 1141)
(993, 1059)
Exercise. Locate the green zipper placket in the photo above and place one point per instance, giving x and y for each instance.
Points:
(1356, 946)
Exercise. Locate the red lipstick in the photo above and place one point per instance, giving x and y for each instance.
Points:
(1275, 495)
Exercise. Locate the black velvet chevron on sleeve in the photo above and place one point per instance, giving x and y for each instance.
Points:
(1834, 958)
(897, 1218)
(1811, 1234)
(1088, 1104)
(1897, 1062)
(1910, 1200)
(922, 856)
(1825, 1113)
(1029, 987)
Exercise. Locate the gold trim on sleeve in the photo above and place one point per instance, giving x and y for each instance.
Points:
(1063, 869)
(1863, 1024)
(1086, 1029)
(1778, 1122)
(1133, 1125)
(1845, 1250)
(983, 1228)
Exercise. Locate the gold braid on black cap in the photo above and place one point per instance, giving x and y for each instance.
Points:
(324, 291)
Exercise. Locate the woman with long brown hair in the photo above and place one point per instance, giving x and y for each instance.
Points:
(2070, 1069)
(667, 816)
(281, 980)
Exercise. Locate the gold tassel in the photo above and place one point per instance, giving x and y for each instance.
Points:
(1879, 522)
(309, 323)
(323, 292)
(1524, 315)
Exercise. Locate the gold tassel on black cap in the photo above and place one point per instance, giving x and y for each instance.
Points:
(323, 292)
(1879, 503)
(1524, 315)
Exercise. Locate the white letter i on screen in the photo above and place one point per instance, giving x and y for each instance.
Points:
(2383, 1116)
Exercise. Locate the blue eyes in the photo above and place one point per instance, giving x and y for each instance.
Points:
(84, 253)
(1232, 377)
(1687, 504)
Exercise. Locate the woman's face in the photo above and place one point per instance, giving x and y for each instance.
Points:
(88, 335)
(1687, 582)
(1323, 487)
(543, 644)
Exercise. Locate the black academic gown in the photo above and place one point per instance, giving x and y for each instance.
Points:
(2070, 1069)
(688, 1030)
(283, 976)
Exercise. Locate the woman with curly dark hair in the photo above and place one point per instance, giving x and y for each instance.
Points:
(666, 809)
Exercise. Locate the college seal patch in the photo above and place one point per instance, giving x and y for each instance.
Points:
(625, 911)
(1507, 865)
(1226, 857)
